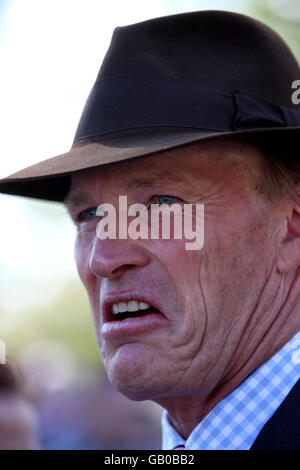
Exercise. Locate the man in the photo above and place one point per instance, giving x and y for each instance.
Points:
(193, 109)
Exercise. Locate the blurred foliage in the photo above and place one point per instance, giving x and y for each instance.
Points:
(67, 320)
(281, 15)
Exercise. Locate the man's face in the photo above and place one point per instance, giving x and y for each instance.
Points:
(210, 301)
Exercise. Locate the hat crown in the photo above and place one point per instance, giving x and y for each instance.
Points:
(225, 49)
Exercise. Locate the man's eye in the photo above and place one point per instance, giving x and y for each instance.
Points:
(164, 199)
(87, 214)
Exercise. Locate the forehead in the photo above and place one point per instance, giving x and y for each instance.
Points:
(219, 161)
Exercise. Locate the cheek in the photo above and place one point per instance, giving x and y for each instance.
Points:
(83, 249)
(183, 268)
(82, 258)
(237, 259)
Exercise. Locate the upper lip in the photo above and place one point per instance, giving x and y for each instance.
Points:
(124, 296)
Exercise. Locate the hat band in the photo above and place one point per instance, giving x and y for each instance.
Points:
(134, 101)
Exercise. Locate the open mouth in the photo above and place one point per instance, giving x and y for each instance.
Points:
(126, 316)
(132, 309)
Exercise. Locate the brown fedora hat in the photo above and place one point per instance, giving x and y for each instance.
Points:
(172, 81)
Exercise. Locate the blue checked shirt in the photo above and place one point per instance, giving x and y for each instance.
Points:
(236, 421)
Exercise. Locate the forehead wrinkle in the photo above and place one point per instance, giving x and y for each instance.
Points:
(76, 197)
(150, 181)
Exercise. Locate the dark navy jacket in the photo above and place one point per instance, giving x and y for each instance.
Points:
(282, 431)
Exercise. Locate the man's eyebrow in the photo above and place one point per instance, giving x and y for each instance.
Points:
(149, 181)
(76, 198)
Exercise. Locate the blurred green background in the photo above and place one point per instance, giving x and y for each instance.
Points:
(50, 52)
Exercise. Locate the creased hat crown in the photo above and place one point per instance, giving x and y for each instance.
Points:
(225, 49)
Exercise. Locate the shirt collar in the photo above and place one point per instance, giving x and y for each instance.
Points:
(236, 421)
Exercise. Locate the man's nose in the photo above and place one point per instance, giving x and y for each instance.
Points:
(110, 258)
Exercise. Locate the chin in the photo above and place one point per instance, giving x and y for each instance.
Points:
(133, 373)
(132, 391)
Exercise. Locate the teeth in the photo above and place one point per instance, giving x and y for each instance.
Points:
(131, 306)
(115, 309)
(122, 307)
(144, 306)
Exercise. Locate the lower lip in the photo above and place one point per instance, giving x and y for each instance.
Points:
(132, 326)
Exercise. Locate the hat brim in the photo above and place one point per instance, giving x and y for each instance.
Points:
(50, 179)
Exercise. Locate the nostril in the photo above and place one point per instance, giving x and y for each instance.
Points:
(121, 268)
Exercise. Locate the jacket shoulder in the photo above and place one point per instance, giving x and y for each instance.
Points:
(282, 431)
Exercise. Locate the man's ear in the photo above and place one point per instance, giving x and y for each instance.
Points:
(289, 251)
